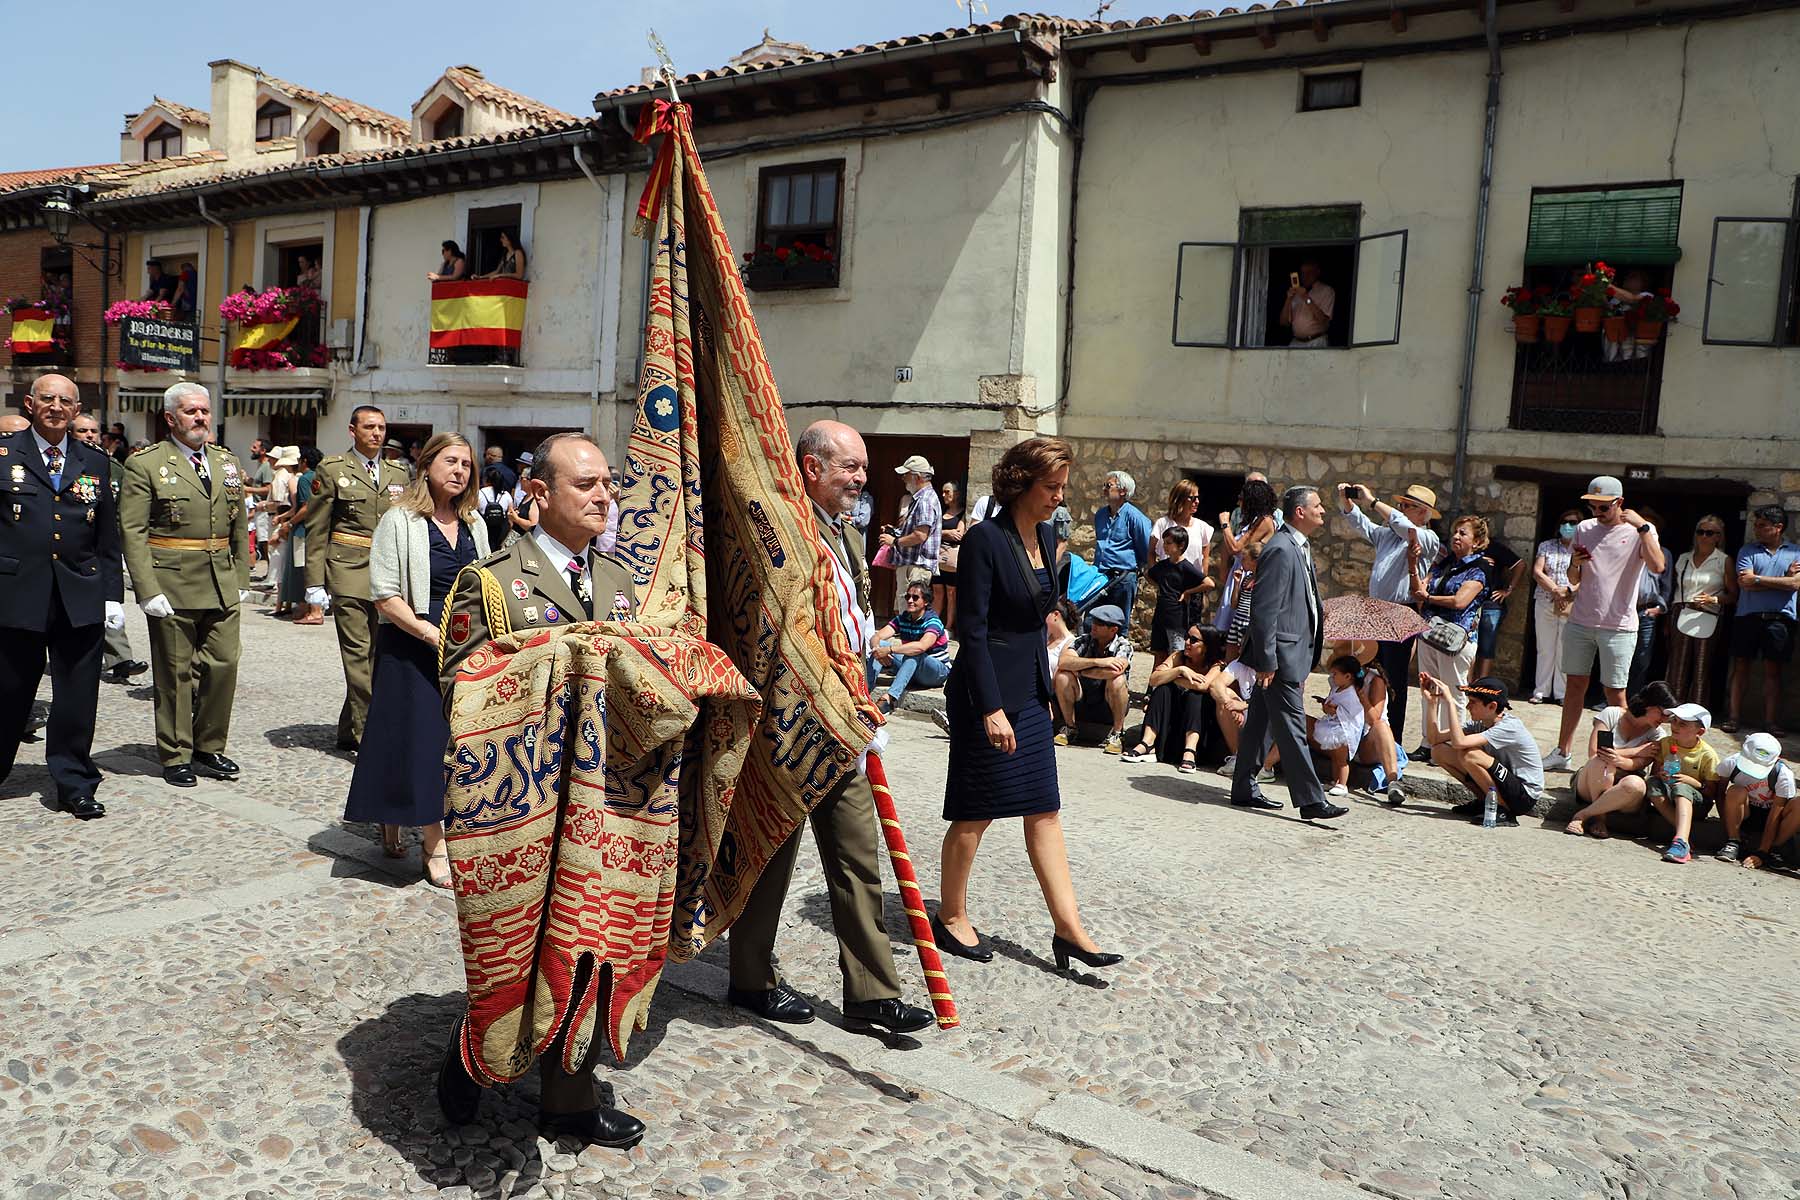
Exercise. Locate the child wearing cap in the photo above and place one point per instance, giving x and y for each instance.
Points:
(1685, 767)
(1759, 794)
(1492, 750)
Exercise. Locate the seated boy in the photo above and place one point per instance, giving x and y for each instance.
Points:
(1759, 796)
(1493, 750)
(1685, 768)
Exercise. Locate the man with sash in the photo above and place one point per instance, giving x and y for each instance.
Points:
(350, 493)
(187, 546)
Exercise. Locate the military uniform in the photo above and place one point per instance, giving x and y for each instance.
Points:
(187, 539)
(346, 506)
(59, 565)
(521, 588)
(116, 649)
(844, 828)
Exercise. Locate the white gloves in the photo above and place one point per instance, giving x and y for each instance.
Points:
(316, 595)
(115, 615)
(157, 606)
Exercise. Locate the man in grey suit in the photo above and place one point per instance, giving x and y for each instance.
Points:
(1286, 634)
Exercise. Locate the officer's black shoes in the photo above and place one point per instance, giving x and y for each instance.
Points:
(180, 775)
(216, 765)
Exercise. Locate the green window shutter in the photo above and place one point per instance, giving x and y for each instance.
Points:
(1622, 225)
(1321, 223)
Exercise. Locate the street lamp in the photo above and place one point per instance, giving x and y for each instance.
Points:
(58, 215)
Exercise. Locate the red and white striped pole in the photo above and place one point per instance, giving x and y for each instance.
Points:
(936, 982)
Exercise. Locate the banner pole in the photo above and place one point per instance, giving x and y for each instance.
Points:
(936, 982)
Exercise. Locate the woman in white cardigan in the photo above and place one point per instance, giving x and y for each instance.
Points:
(430, 534)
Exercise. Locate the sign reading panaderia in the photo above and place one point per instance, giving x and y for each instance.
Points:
(155, 344)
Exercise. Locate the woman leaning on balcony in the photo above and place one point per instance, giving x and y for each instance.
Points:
(512, 262)
(455, 265)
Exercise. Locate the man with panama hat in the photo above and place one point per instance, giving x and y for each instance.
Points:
(1406, 520)
(1610, 552)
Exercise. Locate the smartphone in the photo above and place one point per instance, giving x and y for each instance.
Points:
(1293, 279)
(1321, 699)
(1604, 739)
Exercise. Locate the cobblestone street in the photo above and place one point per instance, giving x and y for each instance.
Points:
(227, 992)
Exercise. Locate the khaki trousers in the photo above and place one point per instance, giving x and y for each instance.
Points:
(355, 620)
(194, 663)
(843, 825)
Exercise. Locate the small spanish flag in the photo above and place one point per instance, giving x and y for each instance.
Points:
(477, 312)
(33, 331)
(264, 334)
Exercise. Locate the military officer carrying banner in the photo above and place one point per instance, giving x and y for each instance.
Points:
(351, 493)
(187, 546)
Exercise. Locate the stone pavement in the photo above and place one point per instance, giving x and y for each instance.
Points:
(227, 992)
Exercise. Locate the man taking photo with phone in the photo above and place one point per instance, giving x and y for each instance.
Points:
(1308, 307)
(1391, 531)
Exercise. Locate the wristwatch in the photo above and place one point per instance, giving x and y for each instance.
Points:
(1646, 527)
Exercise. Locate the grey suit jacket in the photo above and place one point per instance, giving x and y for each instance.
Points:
(1283, 637)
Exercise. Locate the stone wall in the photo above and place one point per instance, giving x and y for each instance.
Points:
(1343, 557)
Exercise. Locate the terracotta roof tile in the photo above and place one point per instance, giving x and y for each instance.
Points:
(343, 106)
(12, 180)
(107, 175)
(185, 113)
(477, 86)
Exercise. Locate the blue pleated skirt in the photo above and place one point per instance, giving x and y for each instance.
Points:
(986, 785)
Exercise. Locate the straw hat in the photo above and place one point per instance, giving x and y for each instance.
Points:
(1418, 493)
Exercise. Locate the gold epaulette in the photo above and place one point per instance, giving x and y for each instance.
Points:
(493, 606)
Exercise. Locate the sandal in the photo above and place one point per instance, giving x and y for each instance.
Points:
(441, 858)
(1137, 754)
(1576, 828)
(1188, 763)
(393, 841)
(1752, 862)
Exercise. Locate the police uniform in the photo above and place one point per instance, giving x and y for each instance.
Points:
(59, 565)
(346, 506)
(521, 587)
(187, 539)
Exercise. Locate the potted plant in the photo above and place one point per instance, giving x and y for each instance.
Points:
(1555, 310)
(1523, 302)
(1593, 288)
(1617, 325)
(1653, 312)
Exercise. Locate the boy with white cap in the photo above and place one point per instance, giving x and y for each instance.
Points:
(1611, 551)
(1759, 794)
(1685, 768)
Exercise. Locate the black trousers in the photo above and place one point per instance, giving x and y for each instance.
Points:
(1174, 712)
(73, 653)
(1396, 663)
(1277, 715)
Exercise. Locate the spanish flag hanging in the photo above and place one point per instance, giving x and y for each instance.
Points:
(264, 334)
(477, 312)
(33, 331)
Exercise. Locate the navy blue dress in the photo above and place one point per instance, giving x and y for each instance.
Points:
(403, 784)
(1002, 663)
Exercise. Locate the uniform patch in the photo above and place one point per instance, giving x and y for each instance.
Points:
(621, 607)
(18, 473)
(519, 589)
(394, 490)
(5, 450)
(550, 614)
(459, 627)
(531, 613)
(230, 471)
(343, 482)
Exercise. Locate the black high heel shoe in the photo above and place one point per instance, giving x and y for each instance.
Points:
(947, 942)
(1064, 951)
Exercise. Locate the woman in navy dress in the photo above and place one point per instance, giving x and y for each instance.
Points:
(1002, 762)
(430, 534)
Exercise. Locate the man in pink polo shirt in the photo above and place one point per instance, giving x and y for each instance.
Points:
(1611, 551)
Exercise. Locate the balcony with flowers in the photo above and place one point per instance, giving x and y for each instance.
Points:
(276, 330)
(41, 334)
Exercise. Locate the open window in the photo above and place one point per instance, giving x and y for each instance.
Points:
(1750, 285)
(274, 120)
(485, 252)
(162, 142)
(1299, 278)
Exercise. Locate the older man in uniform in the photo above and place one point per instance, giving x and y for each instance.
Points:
(350, 493)
(116, 662)
(835, 465)
(187, 546)
(549, 578)
(59, 583)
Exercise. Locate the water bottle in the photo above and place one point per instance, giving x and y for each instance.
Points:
(1490, 809)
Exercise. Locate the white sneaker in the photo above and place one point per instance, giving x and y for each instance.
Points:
(1337, 789)
(1228, 766)
(1556, 760)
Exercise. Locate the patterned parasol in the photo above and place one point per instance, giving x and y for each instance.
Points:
(1365, 619)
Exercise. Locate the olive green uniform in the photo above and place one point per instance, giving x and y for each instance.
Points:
(116, 646)
(520, 588)
(188, 541)
(340, 527)
(843, 826)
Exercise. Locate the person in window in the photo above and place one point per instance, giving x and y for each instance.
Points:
(1308, 307)
(160, 286)
(306, 272)
(187, 290)
(512, 260)
(455, 265)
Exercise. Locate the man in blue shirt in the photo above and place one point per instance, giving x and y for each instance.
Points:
(1390, 578)
(1768, 580)
(1121, 541)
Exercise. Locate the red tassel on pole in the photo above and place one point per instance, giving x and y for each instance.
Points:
(936, 982)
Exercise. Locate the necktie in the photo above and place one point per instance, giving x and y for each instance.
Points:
(199, 461)
(375, 473)
(53, 458)
(578, 583)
